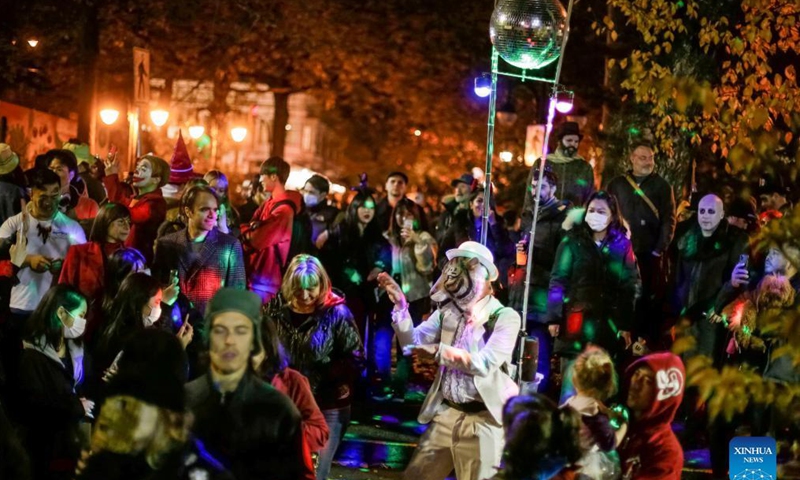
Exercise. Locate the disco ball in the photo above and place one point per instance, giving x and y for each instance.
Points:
(528, 33)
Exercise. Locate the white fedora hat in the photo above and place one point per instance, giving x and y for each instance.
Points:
(475, 250)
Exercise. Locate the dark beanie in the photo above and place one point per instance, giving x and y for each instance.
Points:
(152, 368)
(233, 300)
(398, 174)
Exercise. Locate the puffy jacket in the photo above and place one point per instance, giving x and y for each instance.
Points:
(326, 348)
(592, 290)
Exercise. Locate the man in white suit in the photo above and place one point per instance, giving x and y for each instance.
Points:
(472, 336)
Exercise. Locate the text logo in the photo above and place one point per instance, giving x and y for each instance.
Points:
(753, 458)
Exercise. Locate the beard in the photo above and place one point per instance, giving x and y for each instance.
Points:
(570, 151)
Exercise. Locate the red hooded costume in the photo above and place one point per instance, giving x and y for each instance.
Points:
(651, 450)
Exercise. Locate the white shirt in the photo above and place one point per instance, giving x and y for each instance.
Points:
(64, 232)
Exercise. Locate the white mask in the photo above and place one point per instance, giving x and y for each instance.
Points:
(597, 222)
(155, 314)
(77, 328)
(310, 199)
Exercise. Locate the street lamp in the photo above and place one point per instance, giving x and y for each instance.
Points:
(564, 101)
(109, 115)
(159, 117)
(196, 131)
(33, 42)
(483, 85)
(238, 134)
(506, 156)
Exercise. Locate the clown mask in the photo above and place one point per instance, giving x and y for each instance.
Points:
(143, 176)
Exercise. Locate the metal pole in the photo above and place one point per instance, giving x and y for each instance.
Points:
(138, 133)
(551, 113)
(487, 188)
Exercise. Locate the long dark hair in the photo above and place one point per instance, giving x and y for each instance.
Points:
(405, 205)
(372, 231)
(44, 321)
(108, 214)
(539, 437)
(275, 359)
(616, 226)
(119, 265)
(125, 315)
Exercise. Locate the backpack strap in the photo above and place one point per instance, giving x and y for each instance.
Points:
(640, 193)
(285, 201)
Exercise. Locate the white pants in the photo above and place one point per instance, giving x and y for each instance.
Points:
(469, 442)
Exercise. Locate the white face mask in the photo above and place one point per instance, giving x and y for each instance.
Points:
(597, 222)
(155, 314)
(77, 328)
(310, 199)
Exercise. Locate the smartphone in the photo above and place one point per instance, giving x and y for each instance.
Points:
(408, 224)
(173, 275)
(744, 259)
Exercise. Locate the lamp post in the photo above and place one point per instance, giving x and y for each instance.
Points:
(527, 34)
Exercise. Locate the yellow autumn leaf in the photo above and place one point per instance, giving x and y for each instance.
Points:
(614, 36)
(759, 118)
(623, 63)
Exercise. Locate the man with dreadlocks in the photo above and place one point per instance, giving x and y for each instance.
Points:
(471, 336)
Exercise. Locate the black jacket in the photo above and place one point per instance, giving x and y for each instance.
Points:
(349, 258)
(592, 290)
(255, 431)
(49, 411)
(322, 218)
(466, 227)
(649, 233)
(703, 266)
(326, 348)
(549, 233)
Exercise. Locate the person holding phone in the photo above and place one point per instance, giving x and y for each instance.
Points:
(414, 253)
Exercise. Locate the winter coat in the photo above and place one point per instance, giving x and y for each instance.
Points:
(649, 233)
(148, 211)
(592, 290)
(254, 431)
(84, 269)
(466, 227)
(702, 266)
(575, 179)
(266, 242)
(450, 207)
(294, 385)
(326, 348)
(219, 263)
(549, 233)
(650, 450)
(49, 410)
(349, 259)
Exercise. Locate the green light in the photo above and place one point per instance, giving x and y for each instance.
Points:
(369, 204)
(634, 131)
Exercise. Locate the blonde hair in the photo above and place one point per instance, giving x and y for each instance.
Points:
(304, 272)
(594, 375)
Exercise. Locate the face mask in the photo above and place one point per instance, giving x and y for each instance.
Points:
(77, 328)
(310, 199)
(155, 314)
(570, 151)
(597, 222)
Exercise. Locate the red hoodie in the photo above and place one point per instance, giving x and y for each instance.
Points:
(651, 450)
(267, 240)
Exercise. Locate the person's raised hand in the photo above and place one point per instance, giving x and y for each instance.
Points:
(393, 290)
(554, 330)
(740, 276)
(186, 333)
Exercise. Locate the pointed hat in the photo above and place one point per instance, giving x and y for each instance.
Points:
(180, 166)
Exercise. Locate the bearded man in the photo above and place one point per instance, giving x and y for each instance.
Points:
(471, 337)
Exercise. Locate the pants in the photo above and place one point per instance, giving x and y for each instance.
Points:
(469, 442)
(540, 332)
(649, 307)
(337, 419)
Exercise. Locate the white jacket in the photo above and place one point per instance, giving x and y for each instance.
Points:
(483, 359)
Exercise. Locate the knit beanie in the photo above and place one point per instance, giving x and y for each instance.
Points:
(180, 166)
(234, 300)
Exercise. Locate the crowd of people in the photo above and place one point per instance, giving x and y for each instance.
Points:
(152, 329)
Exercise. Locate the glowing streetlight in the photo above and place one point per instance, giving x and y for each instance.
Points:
(196, 131)
(33, 42)
(109, 116)
(417, 133)
(564, 101)
(288, 127)
(483, 85)
(238, 134)
(506, 156)
(159, 117)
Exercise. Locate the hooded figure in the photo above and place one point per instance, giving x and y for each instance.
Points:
(654, 386)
